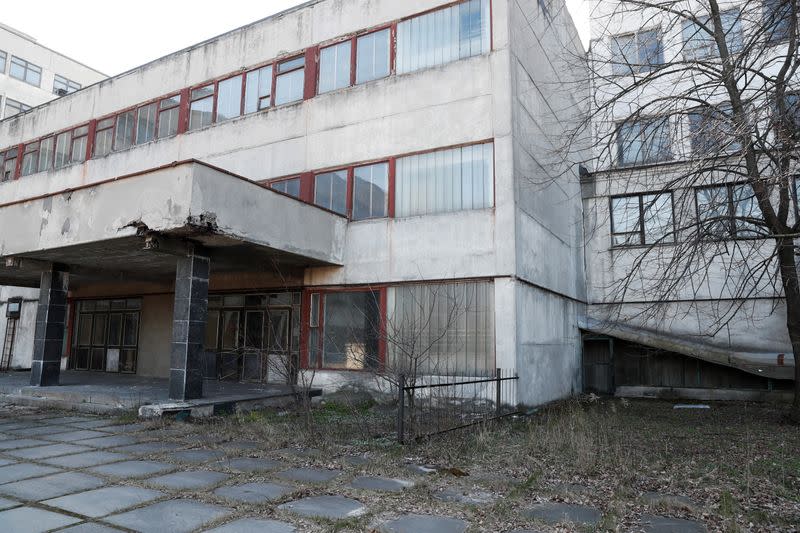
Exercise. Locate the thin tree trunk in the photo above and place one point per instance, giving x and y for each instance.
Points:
(791, 288)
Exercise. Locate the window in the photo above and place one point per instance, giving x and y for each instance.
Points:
(104, 137)
(642, 219)
(791, 121)
(446, 180)
(370, 191)
(372, 58)
(258, 90)
(30, 159)
(9, 160)
(24, 71)
(62, 86)
(2, 62)
(443, 36)
(290, 186)
(46, 154)
(447, 329)
(700, 44)
(290, 82)
(644, 141)
(637, 52)
(777, 21)
(201, 108)
(14, 108)
(229, 98)
(80, 138)
(728, 211)
(330, 191)
(63, 148)
(712, 130)
(123, 135)
(334, 67)
(145, 123)
(169, 110)
(348, 336)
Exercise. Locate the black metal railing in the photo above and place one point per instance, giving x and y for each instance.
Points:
(432, 405)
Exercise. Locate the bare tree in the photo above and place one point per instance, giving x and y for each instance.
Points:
(699, 114)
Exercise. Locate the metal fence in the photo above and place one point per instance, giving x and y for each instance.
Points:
(431, 405)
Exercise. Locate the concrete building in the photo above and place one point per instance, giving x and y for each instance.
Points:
(698, 331)
(326, 189)
(30, 75)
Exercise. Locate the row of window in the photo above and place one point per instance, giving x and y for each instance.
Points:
(643, 51)
(712, 132)
(32, 74)
(434, 38)
(453, 179)
(723, 211)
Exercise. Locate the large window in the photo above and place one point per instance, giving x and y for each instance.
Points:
(330, 191)
(777, 21)
(443, 36)
(258, 90)
(62, 86)
(3, 57)
(229, 98)
(446, 180)
(123, 135)
(441, 329)
(713, 131)
(700, 44)
(642, 219)
(728, 211)
(106, 335)
(290, 81)
(104, 137)
(643, 141)
(201, 108)
(636, 52)
(25, 71)
(14, 108)
(791, 120)
(146, 123)
(334, 67)
(373, 56)
(8, 160)
(345, 330)
(371, 191)
(169, 112)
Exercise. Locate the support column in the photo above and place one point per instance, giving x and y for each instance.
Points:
(51, 318)
(189, 325)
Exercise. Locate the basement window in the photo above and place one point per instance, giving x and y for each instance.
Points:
(258, 90)
(169, 110)
(201, 108)
(290, 81)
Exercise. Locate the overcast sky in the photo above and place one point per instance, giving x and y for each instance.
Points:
(116, 36)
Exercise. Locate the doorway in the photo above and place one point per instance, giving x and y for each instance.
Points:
(598, 365)
(107, 337)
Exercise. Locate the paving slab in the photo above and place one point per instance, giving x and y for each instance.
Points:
(331, 507)
(468, 497)
(197, 456)
(254, 525)
(45, 488)
(424, 524)
(45, 452)
(147, 448)
(21, 443)
(8, 504)
(81, 434)
(555, 513)
(309, 475)
(101, 502)
(108, 442)
(67, 419)
(175, 516)
(82, 460)
(36, 431)
(90, 527)
(91, 424)
(665, 524)
(31, 520)
(22, 471)
(250, 465)
(126, 428)
(253, 492)
(189, 480)
(384, 484)
(132, 469)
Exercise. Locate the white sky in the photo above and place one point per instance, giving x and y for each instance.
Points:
(111, 38)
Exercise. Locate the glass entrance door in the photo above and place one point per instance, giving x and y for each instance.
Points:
(107, 338)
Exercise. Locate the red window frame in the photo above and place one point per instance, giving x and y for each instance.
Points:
(272, 184)
(305, 325)
(5, 158)
(74, 138)
(33, 150)
(353, 39)
(243, 88)
(276, 73)
(193, 99)
(160, 110)
(100, 128)
(271, 96)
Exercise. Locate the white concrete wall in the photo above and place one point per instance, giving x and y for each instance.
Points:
(23, 338)
(155, 336)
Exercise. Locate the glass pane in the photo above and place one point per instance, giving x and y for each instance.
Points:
(230, 330)
(130, 335)
(29, 163)
(352, 326)
(314, 321)
(203, 92)
(127, 360)
(168, 122)
(334, 67)
(370, 191)
(98, 359)
(330, 191)
(289, 87)
(650, 51)
(124, 132)
(168, 103)
(254, 329)
(278, 331)
(625, 220)
(79, 149)
(657, 215)
(713, 210)
(290, 187)
(85, 329)
(212, 330)
(258, 90)
(229, 99)
(747, 212)
(145, 123)
(45, 154)
(291, 64)
(200, 113)
(234, 300)
(82, 359)
(372, 61)
(63, 146)
(102, 142)
(115, 329)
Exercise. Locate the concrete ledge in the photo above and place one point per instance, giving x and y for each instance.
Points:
(685, 393)
(205, 407)
(63, 404)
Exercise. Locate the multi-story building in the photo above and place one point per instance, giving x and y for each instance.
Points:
(30, 75)
(330, 186)
(682, 291)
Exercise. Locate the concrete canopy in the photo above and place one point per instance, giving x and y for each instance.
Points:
(130, 227)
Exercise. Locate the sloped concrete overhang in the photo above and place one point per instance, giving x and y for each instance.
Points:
(114, 229)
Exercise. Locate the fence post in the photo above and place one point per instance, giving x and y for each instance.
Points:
(401, 401)
(497, 392)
